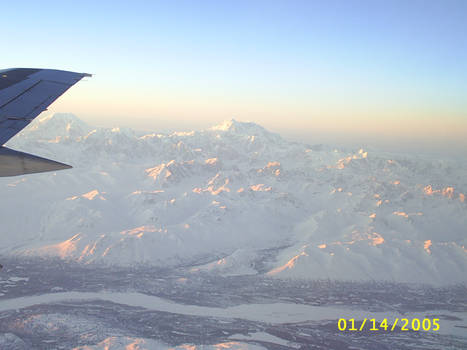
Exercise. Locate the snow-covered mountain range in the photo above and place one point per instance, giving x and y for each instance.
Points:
(236, 199)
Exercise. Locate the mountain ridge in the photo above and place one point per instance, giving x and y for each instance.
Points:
(233, 191)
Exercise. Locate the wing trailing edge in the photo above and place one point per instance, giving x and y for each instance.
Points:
(18, 163)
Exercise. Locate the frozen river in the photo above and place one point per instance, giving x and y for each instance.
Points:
(270, 313)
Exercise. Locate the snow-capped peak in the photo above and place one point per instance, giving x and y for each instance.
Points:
(173, 199)
(235, 126)
(60, 119)
(58, 126)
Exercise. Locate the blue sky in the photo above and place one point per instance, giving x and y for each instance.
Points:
(363, 70)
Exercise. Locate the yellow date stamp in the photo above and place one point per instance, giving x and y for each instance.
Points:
(385, 325)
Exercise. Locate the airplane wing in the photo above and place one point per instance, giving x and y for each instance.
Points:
(24, 94)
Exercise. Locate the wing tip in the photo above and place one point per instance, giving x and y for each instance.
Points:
(14, 163)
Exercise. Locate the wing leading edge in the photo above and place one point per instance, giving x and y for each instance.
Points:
(24, 94)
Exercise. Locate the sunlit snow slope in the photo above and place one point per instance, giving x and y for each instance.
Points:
(225, 198)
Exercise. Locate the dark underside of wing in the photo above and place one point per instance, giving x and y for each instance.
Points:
(24, 94)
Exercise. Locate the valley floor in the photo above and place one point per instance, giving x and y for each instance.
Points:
(49, 304)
